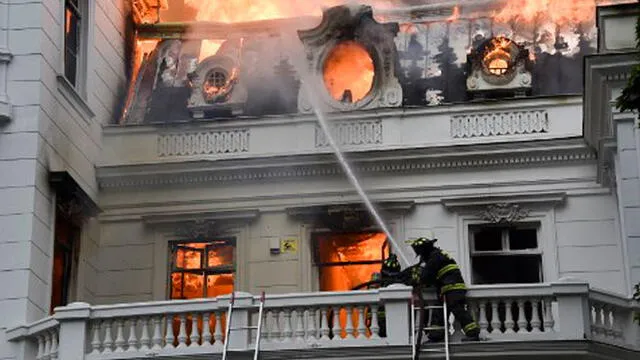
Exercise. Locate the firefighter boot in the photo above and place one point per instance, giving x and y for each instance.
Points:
(471, 332)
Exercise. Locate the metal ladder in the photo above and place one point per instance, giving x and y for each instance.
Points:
(417, 340)
(257, 328)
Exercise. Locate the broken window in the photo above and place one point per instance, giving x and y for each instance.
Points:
(202, 269)
(346, 260)
(72, 22)
(505, 254)
(65, 254)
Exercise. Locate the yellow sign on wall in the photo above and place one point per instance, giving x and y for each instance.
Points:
(289, 245)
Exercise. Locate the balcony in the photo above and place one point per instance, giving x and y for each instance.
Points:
(558, 319)
(253, 148)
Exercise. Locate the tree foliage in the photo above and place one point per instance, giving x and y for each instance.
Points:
(629, 100)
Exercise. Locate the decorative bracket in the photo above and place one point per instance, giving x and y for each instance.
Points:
(504, 213)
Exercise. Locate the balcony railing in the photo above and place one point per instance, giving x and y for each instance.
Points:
(556, 311)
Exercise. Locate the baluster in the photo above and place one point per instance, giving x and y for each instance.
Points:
(348, 328)
(522, 320)
(120, 335)
(496, 324)
(617, 326)
(508, 321)
(361, 331)
(108, 339)
(133, 339)
(145, 340)
(287, 332)
(535, 316)
(46, 355)
(312, 330)
(299, 325)
(606, 312)
(169, 337)
(95, 339)
(483, 322)
(194, 338)
(375, 327)
(54, 345)
(217, 331)
(40, 353)
(548, 321)
(182, 333)
(597, 320)
(206, 329)
(336, 328)
(157, 332)
(270, 322)
(324, 324)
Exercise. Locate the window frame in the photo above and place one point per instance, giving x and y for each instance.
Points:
(316, 250)
(77, 93)
(506, 250)
(205, 270)
(70, 250)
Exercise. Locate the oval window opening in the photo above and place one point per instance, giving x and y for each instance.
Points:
(348, 72)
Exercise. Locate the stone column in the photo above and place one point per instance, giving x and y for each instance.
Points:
(73, 330)
(573, 321)
(396, 300)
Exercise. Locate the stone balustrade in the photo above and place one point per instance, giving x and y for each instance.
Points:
(370, 318)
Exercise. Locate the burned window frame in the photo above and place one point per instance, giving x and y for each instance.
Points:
(205, 270)
(506, 250)
(73, 9)
(66, 244)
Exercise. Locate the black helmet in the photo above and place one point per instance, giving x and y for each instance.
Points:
(391, 263)
(422, 244)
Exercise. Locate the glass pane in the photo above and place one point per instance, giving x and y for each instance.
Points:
(188, 258)
(176, 286)
(522, 239)
(350, 247)
(521, 269)
(193, 286)
(343, 278)
(220, 255)
(489, 239)
(218, 285)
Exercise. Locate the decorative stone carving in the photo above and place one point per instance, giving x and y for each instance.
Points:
(216, 82)
(342, 24)
(499, 65)
(197, 230)
(351, 133)
(499, 123)
(203, 143)
(503, 213)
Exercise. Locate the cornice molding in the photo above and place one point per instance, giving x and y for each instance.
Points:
(177, 217)
(375, 163)
(502, 200)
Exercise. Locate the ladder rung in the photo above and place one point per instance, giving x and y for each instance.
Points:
(434, 328)
(431, 350)
(244, 328)
(431, 307)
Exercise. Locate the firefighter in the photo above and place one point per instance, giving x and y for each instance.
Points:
(439, 269)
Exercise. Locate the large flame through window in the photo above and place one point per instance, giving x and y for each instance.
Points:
(348, 72)
(202, 269)
(349, 259)
(497, 59)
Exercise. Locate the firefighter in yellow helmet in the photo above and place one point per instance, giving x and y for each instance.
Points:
(437, 268)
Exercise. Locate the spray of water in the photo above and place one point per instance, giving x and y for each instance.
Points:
(313, 98)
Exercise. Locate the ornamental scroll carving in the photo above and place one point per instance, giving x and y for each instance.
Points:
(204, 143)
(351, 133)
(501, 123)
(503, 213)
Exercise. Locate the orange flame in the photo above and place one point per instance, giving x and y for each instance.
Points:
(498, 57)
(456, 14)
(348, 72)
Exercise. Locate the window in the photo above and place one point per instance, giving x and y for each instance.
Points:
(72, 39)
(65, 258)
(346, 260)
(505, 254)
(202, 269)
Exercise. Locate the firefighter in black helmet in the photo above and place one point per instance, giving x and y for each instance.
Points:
(439, 269)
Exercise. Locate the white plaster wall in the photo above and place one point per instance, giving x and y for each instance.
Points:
(49, 132)
(627, 173)
(589, 242)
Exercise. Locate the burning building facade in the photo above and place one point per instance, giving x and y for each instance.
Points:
(485, 122)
